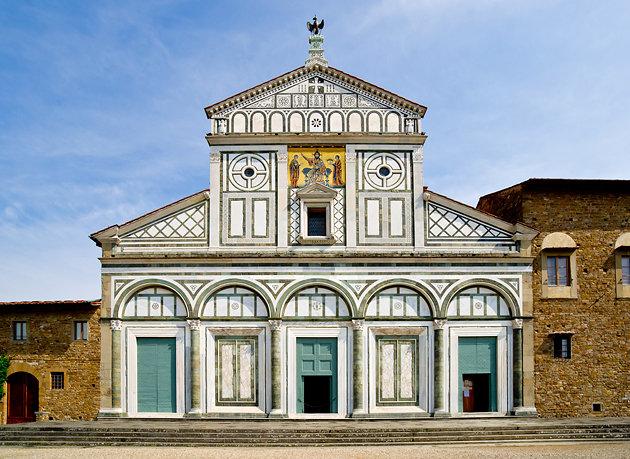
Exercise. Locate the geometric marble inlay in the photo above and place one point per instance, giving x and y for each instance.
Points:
(445, 223)
(189, 223)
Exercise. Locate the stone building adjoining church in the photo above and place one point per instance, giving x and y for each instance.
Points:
(316, 276)
(581, 290)
(54, 347)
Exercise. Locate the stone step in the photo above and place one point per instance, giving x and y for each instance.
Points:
(301, 436)
(95, 440)
(309, 431)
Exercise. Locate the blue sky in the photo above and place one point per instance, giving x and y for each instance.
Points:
(101, 103)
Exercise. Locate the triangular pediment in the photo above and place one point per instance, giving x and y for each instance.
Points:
(182, 222)
(315, 87)
(450, 222)
(316, 190)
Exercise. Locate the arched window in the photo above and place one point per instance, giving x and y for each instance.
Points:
(234, 302)
(155, 302)
(398, 302)
(317, 302)
(479, 302)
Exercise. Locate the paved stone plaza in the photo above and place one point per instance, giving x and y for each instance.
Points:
(565, 450)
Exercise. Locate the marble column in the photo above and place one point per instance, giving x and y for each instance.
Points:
(358, 408)
(116, 326)
(276, 369)
(195, 375)
(517, 363)
(438, 368)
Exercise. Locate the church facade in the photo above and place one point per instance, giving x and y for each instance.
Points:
(316, 276)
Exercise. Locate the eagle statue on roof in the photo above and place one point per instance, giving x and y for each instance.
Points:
(314, 27)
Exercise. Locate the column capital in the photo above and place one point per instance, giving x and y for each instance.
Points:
(358, 324)
(115, 324)
(194, 324)
(517, 323)
(275, 324)
(215, 156)
(283, 156)
(439, 324)
(351, 155)
(417, 155)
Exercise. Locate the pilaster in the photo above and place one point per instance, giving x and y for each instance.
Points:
(214, 208)
(418, 197)
(351, 196)
(282, 196)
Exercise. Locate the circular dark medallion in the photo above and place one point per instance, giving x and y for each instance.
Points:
(249, 172)
(384, 171)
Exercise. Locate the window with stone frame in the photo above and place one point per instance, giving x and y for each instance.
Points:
(558, 266)
(317, 221)
(236, 370)
(57, 380)
(80, 332)
(558, 271)
(562, 345)
(625, 269)
(19, 331)
(397, 370)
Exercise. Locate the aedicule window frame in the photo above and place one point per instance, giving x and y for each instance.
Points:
(316, 196)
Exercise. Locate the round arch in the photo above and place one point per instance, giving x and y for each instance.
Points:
(215, 287)
(284, 126)
(133, 288)
(349, 124)
(422, 290)
(339, 115)
(508, 296)
(296, 286)
(310, 117)
(23, 392)
(252, 121)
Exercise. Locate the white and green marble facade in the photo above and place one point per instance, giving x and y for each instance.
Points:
(406, 271)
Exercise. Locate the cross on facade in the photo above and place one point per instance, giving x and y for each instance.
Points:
(316, 86)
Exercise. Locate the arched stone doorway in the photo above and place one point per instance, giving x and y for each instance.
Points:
(23, 397)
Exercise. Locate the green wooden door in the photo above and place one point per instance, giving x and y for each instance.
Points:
(316, 357)
(478, 355)
(156, 375)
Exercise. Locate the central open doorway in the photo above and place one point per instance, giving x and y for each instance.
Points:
(477, 374)
(316, 375)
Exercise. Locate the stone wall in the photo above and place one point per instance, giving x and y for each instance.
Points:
(50, 347)
(599, 368)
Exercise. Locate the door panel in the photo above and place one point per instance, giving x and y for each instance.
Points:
(156, 375)
(477, 356)
(22, 398)
(316, 357)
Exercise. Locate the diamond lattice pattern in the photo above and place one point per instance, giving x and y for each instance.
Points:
(445, 223)
(189, 223)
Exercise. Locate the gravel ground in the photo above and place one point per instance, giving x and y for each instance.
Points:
(599, 450)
